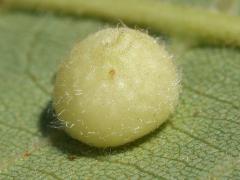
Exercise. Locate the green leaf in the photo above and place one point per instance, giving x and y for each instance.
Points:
(196, 24)
(201, 140)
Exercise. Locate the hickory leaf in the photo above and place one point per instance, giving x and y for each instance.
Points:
(200, 141)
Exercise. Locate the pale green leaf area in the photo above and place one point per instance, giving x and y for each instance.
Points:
(231, 7)
(200, 141)
(204, 3)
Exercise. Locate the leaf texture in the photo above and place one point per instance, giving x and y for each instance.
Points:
(200, 141)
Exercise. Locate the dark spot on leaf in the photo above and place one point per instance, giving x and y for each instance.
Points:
(26, 154)
(112, 73)
(71, 157)
(195, 113)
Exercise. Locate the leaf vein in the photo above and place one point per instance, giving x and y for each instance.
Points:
(29, 53)
(53, 175)
(200, 93)
(132, 165)
(199, 139)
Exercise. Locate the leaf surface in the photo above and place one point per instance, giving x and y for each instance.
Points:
(201, 139)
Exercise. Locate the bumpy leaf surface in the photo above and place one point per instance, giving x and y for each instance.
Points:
(201, 140)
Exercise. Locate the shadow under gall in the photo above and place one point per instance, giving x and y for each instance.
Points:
(50, 128)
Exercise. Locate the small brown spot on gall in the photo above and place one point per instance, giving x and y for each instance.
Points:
(112, 73)
(26, 154)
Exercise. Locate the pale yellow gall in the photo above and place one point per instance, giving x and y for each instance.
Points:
(116, 86)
